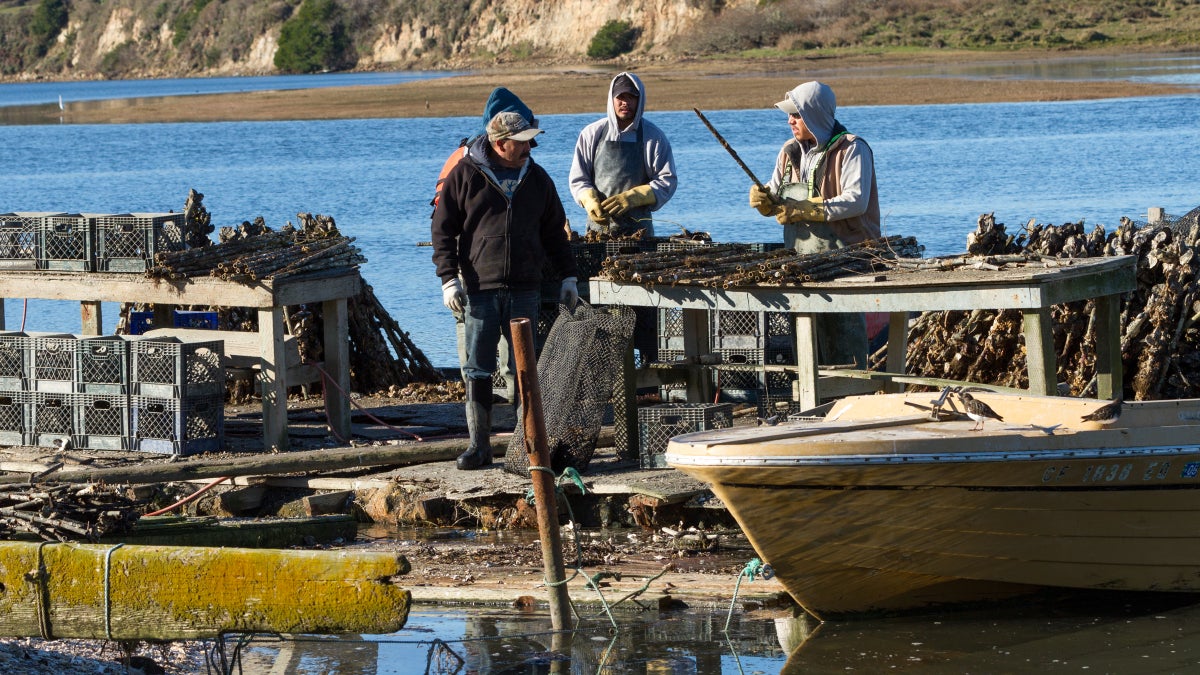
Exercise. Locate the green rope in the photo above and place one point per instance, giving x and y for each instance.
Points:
(752, 569)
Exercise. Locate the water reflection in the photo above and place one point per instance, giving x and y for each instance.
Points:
(1124, 634)
(520, 641)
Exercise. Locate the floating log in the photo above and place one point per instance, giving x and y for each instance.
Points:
(94, 591)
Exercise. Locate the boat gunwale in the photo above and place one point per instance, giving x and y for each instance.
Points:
(675, 458)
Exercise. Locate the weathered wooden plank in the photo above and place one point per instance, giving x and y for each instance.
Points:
(239, 533)
(290, 462)
(326, 504)
(900, 292)
(117, 287)
(179, 592)
(243, 349)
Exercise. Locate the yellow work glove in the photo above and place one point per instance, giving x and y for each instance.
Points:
(589, 199)
(620, 204)
(808, 210)
(762, 201)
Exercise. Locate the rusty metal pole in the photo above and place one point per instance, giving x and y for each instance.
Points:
(539, 470)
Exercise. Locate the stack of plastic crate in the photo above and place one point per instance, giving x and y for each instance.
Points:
(14, 393)
(178, 395)
(127, 242)
(738, 338)
(102, 417)
(747, 342)
(52, 375)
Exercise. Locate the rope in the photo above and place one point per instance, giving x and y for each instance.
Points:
(108, 592)
(326, 378)
(752, 569)
(40, 578)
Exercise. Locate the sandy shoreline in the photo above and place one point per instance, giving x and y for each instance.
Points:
(679, 85)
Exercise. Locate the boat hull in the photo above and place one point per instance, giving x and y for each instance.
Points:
(855, 518)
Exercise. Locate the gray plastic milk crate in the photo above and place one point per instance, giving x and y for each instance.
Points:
(20, 239)
(52, 362)
(658, 424)
(171, 368)
(66, 242)
(14, 361)
(102, 365)
(127, 242)
(15, 417)
(102, 422)
(53, 418)
(173, 426)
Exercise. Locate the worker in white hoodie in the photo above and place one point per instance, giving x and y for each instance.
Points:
(623, 168)
(823, 192)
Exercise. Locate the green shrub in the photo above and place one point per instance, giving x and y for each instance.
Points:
(613, 39)
(313, 40)
(49, 18)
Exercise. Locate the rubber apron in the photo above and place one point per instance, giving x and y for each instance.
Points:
(841, 338)
(618, 167)
(807, 237)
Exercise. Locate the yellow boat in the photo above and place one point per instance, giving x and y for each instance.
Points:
(894, 502)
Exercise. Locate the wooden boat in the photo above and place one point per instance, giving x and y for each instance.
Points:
(892, 502)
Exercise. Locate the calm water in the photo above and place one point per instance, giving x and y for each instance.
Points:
(939, 167)
(1125, 634)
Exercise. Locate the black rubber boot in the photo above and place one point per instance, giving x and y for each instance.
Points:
(479, 425)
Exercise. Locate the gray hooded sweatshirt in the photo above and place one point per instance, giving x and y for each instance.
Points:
(842, 173)
(659, 162)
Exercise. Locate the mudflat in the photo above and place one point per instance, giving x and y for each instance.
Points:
(925, 78)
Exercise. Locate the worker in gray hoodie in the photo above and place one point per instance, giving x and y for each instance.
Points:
(623, 168)
(823, 192)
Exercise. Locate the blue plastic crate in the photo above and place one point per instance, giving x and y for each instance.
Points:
(140, 322)
(190, 319)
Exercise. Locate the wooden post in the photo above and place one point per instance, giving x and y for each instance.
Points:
(540, 472)
(91, 317)
(897, 352)
(697, 341)
(1040, 359)
(97, 591)
(273, 379)
(808, 377)
(337, 364)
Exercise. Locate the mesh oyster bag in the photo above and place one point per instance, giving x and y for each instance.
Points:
(577, 370)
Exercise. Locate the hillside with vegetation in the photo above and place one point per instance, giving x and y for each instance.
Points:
(66, 39)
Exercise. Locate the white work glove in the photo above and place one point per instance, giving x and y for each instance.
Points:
(453, 296)
(569, 294)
